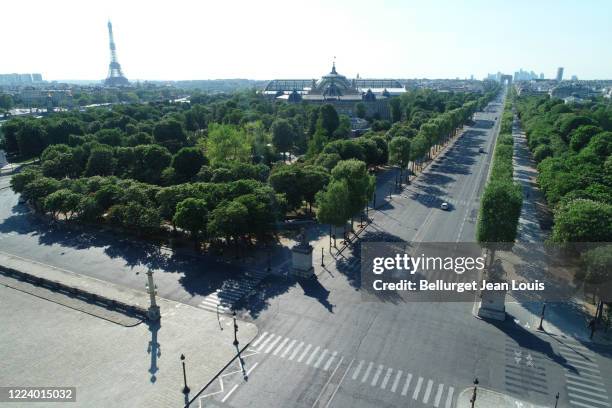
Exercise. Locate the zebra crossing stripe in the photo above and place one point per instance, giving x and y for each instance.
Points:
(271, 346)
(357, 370)
(386, 379)
(262, 345)
(296, 351)
(321, 357)
(427, 391)
(304, 353)
(580, 397)
(582, 375)
(438, 396)
(584, 385)
(328, 364)
(415, 395)
(279, 348)
(377, 375)
(598, 395)
(259, 339)
(449, 398)
(582, 382)
(314, 353)
(396, 381)
(580, 404)
(407, 384)
(367, 373)
(288, 349)
(581, 362)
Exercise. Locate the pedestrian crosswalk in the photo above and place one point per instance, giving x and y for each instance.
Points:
(398, 382)
(585, 387)
(223, 299)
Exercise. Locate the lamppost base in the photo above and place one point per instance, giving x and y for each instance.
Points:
(154, 314)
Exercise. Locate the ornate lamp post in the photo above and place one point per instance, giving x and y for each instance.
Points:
(185, 388)
(153, 312)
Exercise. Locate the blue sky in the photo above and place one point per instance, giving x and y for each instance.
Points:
(265, 39)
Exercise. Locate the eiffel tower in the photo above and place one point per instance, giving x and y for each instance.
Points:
(115, 76)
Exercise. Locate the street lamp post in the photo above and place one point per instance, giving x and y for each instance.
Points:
(235, 329)
(153, 312)
(185, 388)
(540, 327)
(322, 258)
(473, 400)
(269, 268)
(556, 400)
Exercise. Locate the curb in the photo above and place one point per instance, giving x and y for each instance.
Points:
(93, 298)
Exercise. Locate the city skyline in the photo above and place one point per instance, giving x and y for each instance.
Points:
(399, 41)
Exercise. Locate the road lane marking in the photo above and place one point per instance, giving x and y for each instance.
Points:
(357, 370)
(304, 353)
(279, 348)
(339, 383)
(383, 385)
(449, 398)
(271, 346)
(438, 395)
(427, 391)
(376, 375)
(328, 364)
(321, 357)
(580, 404)
(312, 355)
(396, 381)
(288, 349)
(327, 383)
(229, 393)
(367, 373)
(407, 384)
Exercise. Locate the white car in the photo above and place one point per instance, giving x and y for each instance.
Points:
(444, 206)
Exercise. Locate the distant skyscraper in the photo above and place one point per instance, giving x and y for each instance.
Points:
(559, 74)
(574, 78)
(541, 75)
(115, 75)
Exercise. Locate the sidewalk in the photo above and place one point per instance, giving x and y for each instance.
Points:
(562, 318)
(47, 344)
(491, 399)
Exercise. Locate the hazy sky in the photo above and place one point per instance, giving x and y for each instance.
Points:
(264, 39)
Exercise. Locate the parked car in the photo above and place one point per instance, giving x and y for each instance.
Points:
(444, 206)
(481, 150)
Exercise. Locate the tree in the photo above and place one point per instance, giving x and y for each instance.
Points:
(328, 160)
(226, 143)
(38, 189)
(288, 180)
(359, 182)
(149, 162)
(59, 130)
(399, 151)
(360, 110)
(283, 136)
(101, 161)
(111, 137)
(229, 220)
(31, 139)
(191, 215)
(328, 119)
(62, 201)
(580, 137)
(333, 204)
(597, 266)
(170, 133)
(583, 221)
(187, 162)
(396, 109)
(314, 179)
(500, 209)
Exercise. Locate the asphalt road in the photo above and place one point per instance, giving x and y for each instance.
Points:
(321, 344)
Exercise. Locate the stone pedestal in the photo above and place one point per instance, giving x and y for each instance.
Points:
(493, 302)
(492, 305)
(301, 261)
